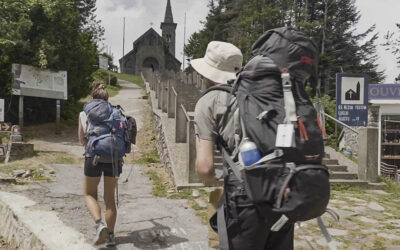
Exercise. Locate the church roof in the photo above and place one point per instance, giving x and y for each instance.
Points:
(147, 33)
(168, 14)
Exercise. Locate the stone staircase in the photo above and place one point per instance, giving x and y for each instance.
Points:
(339, 174)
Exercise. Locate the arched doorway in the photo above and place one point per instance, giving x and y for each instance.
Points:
(152, 63)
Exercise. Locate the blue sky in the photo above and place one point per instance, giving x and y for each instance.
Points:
(143, 14)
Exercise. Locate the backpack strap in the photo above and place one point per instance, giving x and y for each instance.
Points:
(290, 105)
(222, 87)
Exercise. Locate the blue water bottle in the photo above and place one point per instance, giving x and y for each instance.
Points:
(248, 153)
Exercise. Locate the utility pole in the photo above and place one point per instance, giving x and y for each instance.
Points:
(123, 40)
(184, 43)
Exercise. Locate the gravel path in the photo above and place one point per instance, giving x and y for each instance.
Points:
(144, 221)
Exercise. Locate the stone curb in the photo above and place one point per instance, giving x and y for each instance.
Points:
(25, 227)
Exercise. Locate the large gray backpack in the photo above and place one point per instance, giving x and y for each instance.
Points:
(270, 92)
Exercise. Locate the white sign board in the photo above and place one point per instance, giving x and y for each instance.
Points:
(103, 62)
(2, 110)
(31, 81)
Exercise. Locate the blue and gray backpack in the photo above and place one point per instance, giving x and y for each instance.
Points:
(109, 135)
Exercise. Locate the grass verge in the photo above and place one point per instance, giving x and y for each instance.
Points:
(392, 187)
(131, 78)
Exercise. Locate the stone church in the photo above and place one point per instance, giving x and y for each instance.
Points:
(153, 51)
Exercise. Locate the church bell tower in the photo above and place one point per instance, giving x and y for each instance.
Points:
(168, 28)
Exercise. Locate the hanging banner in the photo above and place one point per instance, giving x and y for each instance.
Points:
(31, 81)
(352, 99)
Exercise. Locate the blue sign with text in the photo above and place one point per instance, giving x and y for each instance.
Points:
(352, 99)
(383, 91)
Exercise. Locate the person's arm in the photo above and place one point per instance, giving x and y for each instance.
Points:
(81, 134)
(205, 159)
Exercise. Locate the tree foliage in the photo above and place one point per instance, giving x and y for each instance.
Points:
(49, 34)
(392, 44)
(331, 24)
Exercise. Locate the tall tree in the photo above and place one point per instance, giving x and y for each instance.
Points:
(331, 23)
(392, 44)
(49, 34)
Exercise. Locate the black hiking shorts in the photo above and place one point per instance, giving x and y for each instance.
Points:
(98, 170)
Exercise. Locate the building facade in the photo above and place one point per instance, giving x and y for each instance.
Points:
(152, 51)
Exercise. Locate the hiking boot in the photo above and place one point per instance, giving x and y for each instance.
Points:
(110, 240)
(101, 234)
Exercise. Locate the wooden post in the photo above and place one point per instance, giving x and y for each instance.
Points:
(58, 114)
(21, 112)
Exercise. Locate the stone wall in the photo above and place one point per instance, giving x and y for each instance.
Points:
(162, 148)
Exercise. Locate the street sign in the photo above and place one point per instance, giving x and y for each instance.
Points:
(5, 126)
(3, 150)
(103, 62)
(352, 99)
(1, 110)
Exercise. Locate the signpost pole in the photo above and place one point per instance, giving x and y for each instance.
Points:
(21, 112)
(58, 114)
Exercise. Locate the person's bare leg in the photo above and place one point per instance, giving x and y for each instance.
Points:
(109, 200)
(90, 190)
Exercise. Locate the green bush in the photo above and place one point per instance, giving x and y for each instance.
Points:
(102, 75)
(330, 108)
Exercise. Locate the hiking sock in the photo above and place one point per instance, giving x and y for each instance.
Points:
(98, 222)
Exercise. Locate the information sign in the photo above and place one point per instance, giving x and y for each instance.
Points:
(31, 81)
(5, 127)
(103, 62)
(352, 99)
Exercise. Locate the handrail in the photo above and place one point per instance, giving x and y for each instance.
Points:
(341, 123)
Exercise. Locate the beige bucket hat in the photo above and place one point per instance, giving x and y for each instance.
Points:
(221, 62)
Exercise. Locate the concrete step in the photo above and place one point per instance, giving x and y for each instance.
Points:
(343, 175)
(328, 156)
(353, 183)
(340, 168)
(330, 161)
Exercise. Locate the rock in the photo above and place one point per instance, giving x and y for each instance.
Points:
(368, 220)
(388, 214)
(27, 174)
(7, 179)
(322, 242)
(389, 236)
(337, 201)
(195, 193)
(201, 203)
(375, 206)
(52, 172)
(171, 191)
(18, 172)
(356, 200)
(338, 232)
(39, 172)
(381, 192)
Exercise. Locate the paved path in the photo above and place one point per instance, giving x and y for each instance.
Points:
(144, 221)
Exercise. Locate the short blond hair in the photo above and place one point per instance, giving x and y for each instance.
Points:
(99, 91)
